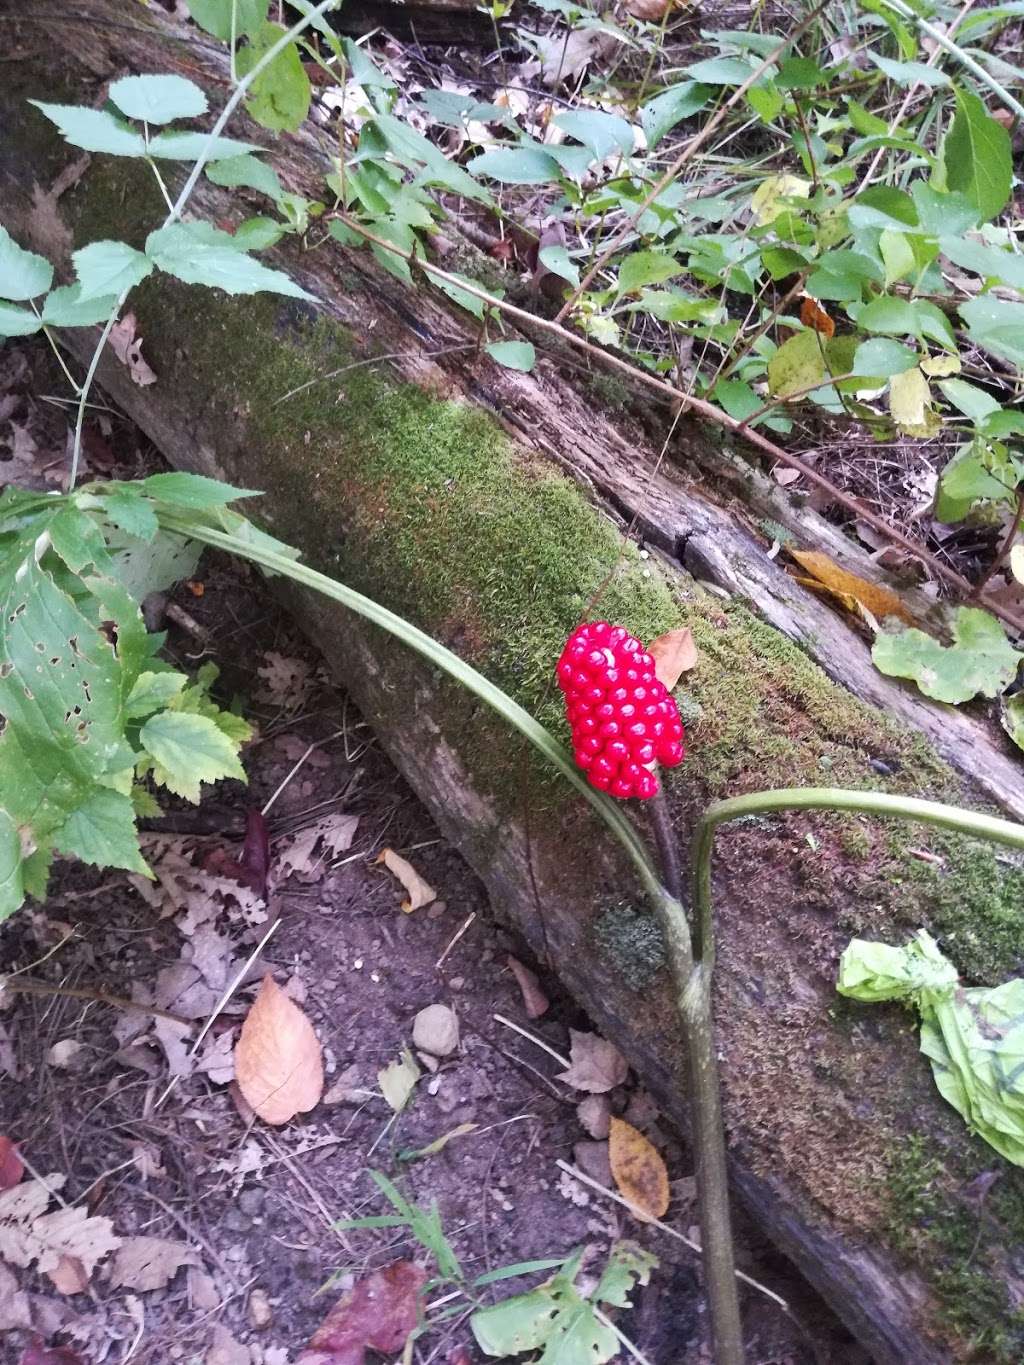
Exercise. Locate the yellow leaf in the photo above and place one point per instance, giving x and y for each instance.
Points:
(420, 891)
(639, 1171)
(674, 654)
(910, 402)
(847, 588)
(940, 366)
(766, 201)
(278, 1060)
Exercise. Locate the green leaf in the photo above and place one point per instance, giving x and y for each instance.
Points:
(215, 16)
(145, 566)
(64, 307)
(978, 157)
(1011, 714)
(12, 882)
(557, 260)
(737, 398)
(894, 316)
(800, 73)
(980, 662)
(515, 355)
(279, 98)
(661, 114)
(517, 166)
(941, 212)
(257, 234)
(184, 146)
(909, 73)
(187, 252)
(187, 750)
(897, 256)
(416, 151)
(766, 101)
(997, 325)
(603, 133)
(966, 481)
(17, 322)
(798, 363)
(158, 99)
(462, 297)
(720, 71)
(248, 172)
(95, 130)
(991, 262)
(191, 490)
(880, 358)
(973, 402)
(152, 692)
(102, 832)
(641, 268)
(131, 513)
(23, 274)
(108, 268)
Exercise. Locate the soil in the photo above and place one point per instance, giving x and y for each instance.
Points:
(106, 1096)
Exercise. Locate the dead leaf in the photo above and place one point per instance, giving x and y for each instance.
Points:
(145, 1263)
(217, 1060)
(594, 1064)
(535, 1002)
(287, 682)
(202, 1290)
(814, 316)
(378, 1313)
(592, 1159)
(68, 1276)
(226, 1349)
(38, 1354)
(333, 834)
(278, 1059)
(66, 1054)
(639, 1171)
(11, 1165)
(398, 1080)
(420, 892)
(847, 588)
(28, 1233)
(594, 1114)
(674, 654)
(128, 349)
(15, 1308)
(649, 10)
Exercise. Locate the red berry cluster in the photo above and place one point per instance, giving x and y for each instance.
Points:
(622, 718)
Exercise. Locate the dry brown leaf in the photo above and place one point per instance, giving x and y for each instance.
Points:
(28, 1233)
(144, 1263)
(279, 1063)
(128, 349)
(674, 654)
(853, 592)
(650, 10)
(420, 892)
(639, 1171)
(594, 1064)
(287, 682)
(333, 833)
(535, 1002)
(68, 1276)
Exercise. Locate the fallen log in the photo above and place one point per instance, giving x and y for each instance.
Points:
(488, 508)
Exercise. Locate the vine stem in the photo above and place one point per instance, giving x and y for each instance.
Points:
(176, 209)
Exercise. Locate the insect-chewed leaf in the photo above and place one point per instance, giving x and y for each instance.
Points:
(981, 659)
(278, 1059)
(639, 1170)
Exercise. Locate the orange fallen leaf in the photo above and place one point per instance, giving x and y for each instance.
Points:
(535, 1002)
(853, 592)
(278, 1059)
(639, 1171)
(420, 891)
(674, 654)
(814, 316)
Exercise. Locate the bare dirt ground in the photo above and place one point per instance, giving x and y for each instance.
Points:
(127, 1118)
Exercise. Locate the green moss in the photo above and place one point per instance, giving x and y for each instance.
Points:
(957, 1232)
(632, 941)
(856, 842)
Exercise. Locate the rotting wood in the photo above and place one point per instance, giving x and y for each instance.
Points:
(806, 1149)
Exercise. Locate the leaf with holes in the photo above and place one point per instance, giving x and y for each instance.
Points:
(981, 661)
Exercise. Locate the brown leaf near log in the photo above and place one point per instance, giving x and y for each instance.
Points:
(278, 1059)
(377, 1313)
(851, 592)
(674, 654)
(639, 1171)
(535, 1002)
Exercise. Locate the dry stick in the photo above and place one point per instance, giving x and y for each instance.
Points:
(709, 413)
(82, 993)
(692, 147)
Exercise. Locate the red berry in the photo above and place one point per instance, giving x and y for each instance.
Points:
(622, 719)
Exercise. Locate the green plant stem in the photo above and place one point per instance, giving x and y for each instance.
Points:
(981, 826)
(178, 206)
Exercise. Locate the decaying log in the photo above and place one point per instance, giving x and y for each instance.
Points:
(488, 507)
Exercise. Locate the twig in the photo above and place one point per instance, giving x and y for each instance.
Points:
(468, 921)
(8, 983)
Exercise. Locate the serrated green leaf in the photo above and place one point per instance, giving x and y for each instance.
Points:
(77, 539)
(196, 259)
(798, 363)
(108, 268)
(17, 322)
(1011, 714)
(12, 882)
(188, 750)
(132, 513)
(248, 172)
(978, 157)
(628, 1265)
(94, 130)
(981, 661)
(215, 16)
(279, 98)
(514, 355)
(23, 274)
(185, 146)
(102, 831)
(152, 692)
(65, 307)
(158, 99)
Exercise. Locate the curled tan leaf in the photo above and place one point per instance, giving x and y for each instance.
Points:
(674, 654)
(278, 1060)
(420, 891)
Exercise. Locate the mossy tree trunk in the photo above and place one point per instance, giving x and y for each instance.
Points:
(488, 507)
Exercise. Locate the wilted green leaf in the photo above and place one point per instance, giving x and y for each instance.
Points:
(981, 661)
(279, 97)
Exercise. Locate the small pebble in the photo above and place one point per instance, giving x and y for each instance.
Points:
(436, 1030)
(259, 1313)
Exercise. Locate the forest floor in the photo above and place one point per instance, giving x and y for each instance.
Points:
(152, 1134)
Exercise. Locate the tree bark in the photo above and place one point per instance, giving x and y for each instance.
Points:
(488, 506)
